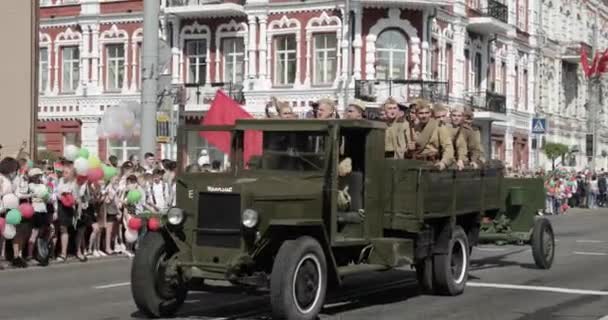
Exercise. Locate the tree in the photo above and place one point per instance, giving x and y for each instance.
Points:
(555, 150)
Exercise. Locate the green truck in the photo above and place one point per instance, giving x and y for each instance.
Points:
(318, 202)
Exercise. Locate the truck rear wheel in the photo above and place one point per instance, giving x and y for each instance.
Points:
(543, 243)
(299, 280)
(155, 293)
(451, 268)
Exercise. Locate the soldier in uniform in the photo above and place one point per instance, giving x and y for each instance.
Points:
(476, 154)
(398, 138)
(433, 140)
(355, 110)
(461, 135)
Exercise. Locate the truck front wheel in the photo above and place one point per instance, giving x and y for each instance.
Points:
(543, 243)
(299, 280)
(451, 268)
(157, 292)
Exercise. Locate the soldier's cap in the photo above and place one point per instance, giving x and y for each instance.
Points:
(440, 107)
(328, 101)
(468, 112)
(420, 103)
(359, 104)
(457, 108)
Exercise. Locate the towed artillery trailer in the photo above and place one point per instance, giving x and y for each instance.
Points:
(279, 222)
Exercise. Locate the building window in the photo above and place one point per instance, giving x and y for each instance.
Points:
(325, 58)
(196, 52)
(285, 59)
(40, 141)
(43, 69)
(71, 69)
(123, 149)
(391, 55)
(478, 71)
(233, 51)
(71, 138)
(115, 62)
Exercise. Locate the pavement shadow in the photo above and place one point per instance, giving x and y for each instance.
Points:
(500, 261)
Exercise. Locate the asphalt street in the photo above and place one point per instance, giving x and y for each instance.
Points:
(503, 284)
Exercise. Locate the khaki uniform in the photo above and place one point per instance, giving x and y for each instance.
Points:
(476, 152)
(396, 138)
(434, 142)
(459, 141)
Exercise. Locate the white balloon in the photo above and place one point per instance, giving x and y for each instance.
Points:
(40, 191)
(71, 152)
(9, 231)
(82, 166)
(131, 235)
(10, 201)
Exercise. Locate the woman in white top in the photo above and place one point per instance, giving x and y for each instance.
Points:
(67, 193)
(594, 191)
(8, 172)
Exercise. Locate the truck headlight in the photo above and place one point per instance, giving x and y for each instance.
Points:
(175, 216)
(250, 218)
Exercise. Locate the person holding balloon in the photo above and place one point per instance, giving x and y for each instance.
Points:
(41, 219)
(134, 203)
(111, 207)
(67, 191)
(21, 188)
(8, 172)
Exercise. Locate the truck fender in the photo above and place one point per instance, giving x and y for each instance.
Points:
(281, 231)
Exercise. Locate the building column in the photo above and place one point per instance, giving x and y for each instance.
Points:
(309, 70)
(125, 79)
(56, 80)
(263, 48)
(338, 57)
(89, 138)
(85, 56)
(426, 66)
(175, 70)
(511, 86)
(358, 44)
(95, 56)
(252, 47)
(134, 63)
(458, 67)
(298, 80)
(508, 145)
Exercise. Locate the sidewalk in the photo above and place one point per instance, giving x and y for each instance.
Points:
(33, 264)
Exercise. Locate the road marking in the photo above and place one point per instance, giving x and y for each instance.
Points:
(537, 288)
(590, 241)
(491, 249)
(604, 318)
(112, 285)
(583, 253)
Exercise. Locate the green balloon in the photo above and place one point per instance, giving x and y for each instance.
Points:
(133, 197)
(30, 164)
(83, 153)
(13, 217)
(109, 172)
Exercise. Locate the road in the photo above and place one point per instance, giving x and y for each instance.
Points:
(503, 284)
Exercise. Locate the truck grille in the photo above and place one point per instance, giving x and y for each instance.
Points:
(219, 220)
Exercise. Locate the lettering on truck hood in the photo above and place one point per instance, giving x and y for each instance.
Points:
(219, 189)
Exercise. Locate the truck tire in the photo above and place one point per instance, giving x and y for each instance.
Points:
(154, 296)
(451, 269)
(424, 274)
(543, 243)
(299, 280)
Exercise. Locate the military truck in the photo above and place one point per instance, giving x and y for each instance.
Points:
(314, 202)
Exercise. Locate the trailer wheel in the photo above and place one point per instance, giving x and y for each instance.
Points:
(424, 274)
(299, 280)
(155, 293)
(543, 243)
(451, 269)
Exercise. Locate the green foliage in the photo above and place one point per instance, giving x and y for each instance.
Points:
(555, 150)
(47, 155)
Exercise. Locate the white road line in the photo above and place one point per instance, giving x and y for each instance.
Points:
(490, 249)
(537, 288)
(604, 318)
(584, 253)
(112, 285)
(590, 241)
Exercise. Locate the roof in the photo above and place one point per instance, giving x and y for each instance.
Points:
(305, 124)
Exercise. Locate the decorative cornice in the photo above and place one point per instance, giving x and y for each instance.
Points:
(119, 18)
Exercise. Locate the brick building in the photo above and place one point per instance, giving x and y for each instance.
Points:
(484, 53)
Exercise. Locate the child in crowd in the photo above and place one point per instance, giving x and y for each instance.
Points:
(41, 201)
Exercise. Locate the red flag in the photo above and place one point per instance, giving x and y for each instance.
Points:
(225, 111)
(585, 63)
(602, 65)
(594, 65)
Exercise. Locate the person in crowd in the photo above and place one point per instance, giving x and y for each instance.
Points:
(398, 139)
(21, 188)
(602, 187)
(111, 207)
(113, 160)
(134, 159)
(67, 194)
(97, 216)
(594, 191)
(8, 172)
(327, 109)
(149, 162)
(41, 220)
(433, 140)
(216, 166)
(355, 110)
(158, 192)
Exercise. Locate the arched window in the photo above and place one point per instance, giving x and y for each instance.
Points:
(391, 55)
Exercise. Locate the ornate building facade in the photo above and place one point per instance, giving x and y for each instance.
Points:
(483, 53)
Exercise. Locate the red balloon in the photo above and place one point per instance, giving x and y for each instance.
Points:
(2, 224)
(95, 174)
(80, 180)
(27, 210)
(153, 224)
(134, 223)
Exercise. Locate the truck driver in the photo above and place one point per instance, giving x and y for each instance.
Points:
(433, 140)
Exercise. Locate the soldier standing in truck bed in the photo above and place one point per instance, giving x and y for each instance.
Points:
(476, 154)
(433, 140)
(461, 135)
(398, 132)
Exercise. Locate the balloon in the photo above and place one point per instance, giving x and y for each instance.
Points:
(134, 223)
(27, 210)
(9, 231)
(83, 153)
(95, 174)
(71, 152)
(109, 172)
(10, 201)
(80, 180)
(30, 164)
(2, 224)
(13, 217)
(133, 197)
(153, 224)
(131, 235)
(94, 162)
(41, 192)
(82, 166)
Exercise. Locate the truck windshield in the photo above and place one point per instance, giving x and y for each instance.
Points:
(292, 151)
(205, 151)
